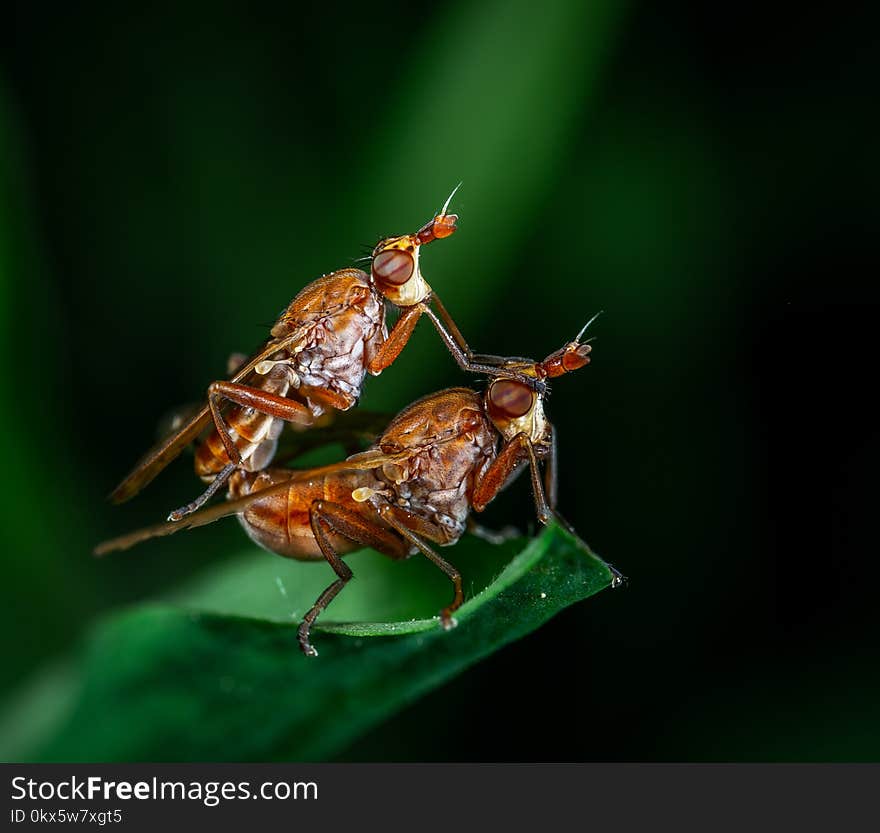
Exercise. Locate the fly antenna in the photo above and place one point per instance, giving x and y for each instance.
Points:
(579, 336)
(448, 200)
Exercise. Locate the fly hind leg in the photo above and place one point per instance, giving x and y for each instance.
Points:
(261, 401)
(326, 517)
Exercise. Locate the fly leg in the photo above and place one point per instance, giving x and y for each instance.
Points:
(327, 398)
(512, 454)
(492, 536)
(551, 490)
(551, 486)
(213, 487)
(400, 334)
(171, 424)
(452, 338)
(464, 357)
(414, 529)
(261, 401)
(324, 516)
(458, 338)
(550, 483)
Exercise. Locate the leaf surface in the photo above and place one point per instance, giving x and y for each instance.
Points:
(216, 674)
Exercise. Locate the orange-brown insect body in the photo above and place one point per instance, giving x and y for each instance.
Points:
(415, 486)
(281, 524)
(321, 348)
(450, 444)
(339, 321)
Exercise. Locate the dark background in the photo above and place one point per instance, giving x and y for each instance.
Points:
(707, 176)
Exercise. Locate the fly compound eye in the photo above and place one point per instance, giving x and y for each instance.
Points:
(393, 266)
(509, 399)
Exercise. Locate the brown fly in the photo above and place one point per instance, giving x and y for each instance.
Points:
(414, 487)
(320, 349)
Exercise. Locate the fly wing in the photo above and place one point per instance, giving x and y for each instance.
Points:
(353, 430)
(161, 454)
(366, 460)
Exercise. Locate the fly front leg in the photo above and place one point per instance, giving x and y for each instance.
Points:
(414, 528)
(458, 338)
(325, 515)
(511, 456)
(465, 358)
(400, 334)
(551, 488)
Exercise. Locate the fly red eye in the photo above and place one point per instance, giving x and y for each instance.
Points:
(393, 266)
(509, 399)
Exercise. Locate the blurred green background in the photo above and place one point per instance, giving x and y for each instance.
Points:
(170, 177)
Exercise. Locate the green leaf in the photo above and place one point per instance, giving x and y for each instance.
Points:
(205, 679)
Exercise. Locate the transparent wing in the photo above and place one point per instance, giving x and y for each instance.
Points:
(366, 460)
(353, 430)
(166, 450)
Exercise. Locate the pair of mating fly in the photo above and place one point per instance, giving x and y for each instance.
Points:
(415, 486)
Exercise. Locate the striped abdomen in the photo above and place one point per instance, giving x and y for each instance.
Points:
(255, 434)
(280, 523)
